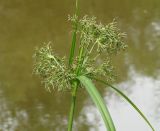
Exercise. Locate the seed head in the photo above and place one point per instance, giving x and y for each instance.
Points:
(99, 40)
(51, 69)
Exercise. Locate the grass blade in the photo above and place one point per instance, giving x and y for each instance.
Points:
(74, 37)
(72, 48)
(128, 100)
(97, 99)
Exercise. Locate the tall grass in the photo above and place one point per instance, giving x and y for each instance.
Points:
(95, 40)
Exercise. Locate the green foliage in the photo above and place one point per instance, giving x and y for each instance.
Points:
(97, 99)
(128, 100)
(95, 40)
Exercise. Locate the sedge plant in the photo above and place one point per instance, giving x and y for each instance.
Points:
(93, 40)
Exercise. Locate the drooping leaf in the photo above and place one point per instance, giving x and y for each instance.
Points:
(128, 100)
(97, 99)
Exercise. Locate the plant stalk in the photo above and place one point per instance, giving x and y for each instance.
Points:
(74, 92)
(73, 103)
(75, 83)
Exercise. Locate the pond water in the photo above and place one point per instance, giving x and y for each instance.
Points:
(26, 106)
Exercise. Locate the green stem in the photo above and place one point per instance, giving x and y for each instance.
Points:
(73, 103)
(74, 92)
(75, 83)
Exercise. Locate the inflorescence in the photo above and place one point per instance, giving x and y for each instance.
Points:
(95, 40)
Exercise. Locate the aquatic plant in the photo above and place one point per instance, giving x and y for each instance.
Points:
(94, 40)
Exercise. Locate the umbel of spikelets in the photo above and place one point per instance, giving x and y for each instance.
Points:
(96, 40)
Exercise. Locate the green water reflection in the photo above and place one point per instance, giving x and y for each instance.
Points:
(25, 24)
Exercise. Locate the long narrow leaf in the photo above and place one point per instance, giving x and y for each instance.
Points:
(72, 48)
(74, 37)
(97, 99)
(127, 99)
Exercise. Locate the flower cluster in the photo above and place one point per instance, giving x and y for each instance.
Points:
(99, 40)
(107, 38)
(52, 69)
(96, 40)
